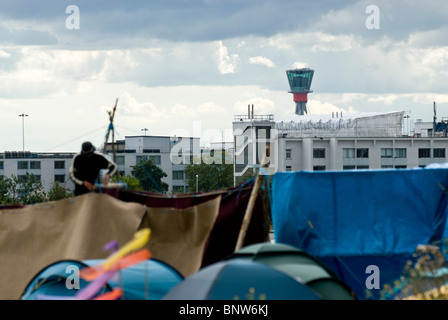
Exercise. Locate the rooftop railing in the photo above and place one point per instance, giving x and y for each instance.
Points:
(246, 117)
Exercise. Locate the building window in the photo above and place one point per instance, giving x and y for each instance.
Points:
(22, 177)
(288, 168)
(318, 153)
(288, 153)
(120, 160)
(2, 166)
(178, 175)
(155, 159)
(34, 164)
(386, 152)
(151, 150)
(140, 159)
(348, 168)
(59, 178)
(362, 153)
(424, 153)
(387, 167)
(348, 153)
(400, 167)
(22, 165)
(319, 168)
(400, 153)
(362, 167)
(59, 164)
(439, 153)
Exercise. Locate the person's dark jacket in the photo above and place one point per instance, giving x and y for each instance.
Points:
(86, 167)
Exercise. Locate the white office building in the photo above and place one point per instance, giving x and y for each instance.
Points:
(335, 142)
(171, 154)
(47, 167)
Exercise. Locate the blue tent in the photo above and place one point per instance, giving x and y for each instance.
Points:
(51, 281)
(148, 280)
(361, 223)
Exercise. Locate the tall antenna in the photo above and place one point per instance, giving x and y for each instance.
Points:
(434, 121)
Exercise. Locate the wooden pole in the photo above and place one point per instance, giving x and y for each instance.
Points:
(251, 203)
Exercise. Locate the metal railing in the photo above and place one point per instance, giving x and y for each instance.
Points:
(246, 117)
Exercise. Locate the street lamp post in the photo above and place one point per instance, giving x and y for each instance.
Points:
(197, 180)
(145, 129)
(23, 129)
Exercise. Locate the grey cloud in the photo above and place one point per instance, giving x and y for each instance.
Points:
(173, 20)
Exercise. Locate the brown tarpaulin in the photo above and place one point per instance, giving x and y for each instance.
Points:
(33, 237)
(77, 228)
(178, 236)
(224, 234)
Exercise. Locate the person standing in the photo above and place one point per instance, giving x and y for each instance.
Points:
(86, 166)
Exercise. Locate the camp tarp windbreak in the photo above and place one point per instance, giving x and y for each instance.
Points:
(362, 224)
(178, 236)
(77, 228)
(224, 234)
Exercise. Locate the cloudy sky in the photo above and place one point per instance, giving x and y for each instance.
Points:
(187, 67)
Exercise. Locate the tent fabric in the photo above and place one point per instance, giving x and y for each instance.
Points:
(232, 208)
(240, 279)
(298, 264)
(148, 280)
(76, 228)
(353, 219)
(51, 281)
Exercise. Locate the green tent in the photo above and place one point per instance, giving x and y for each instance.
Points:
(299, 264)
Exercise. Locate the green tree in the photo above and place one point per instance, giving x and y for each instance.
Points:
(58, 192)
(150, 176)
(13, 193)
(214, 175)
(132, 182)
(31, 190)
(5, 185)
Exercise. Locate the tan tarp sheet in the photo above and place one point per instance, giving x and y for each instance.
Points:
(178, 236)
(33, 237)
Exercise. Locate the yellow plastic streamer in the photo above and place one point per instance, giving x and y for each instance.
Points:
(141, 237)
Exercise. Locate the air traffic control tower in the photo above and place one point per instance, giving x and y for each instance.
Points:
(300, 83)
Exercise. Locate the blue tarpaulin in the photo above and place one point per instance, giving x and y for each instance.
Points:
(354, 219)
